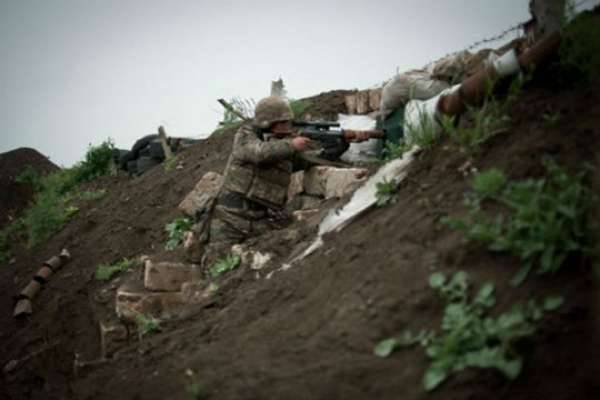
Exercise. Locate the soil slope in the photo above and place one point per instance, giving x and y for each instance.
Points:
(309, 332)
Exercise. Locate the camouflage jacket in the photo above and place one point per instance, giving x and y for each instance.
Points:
(260, 170)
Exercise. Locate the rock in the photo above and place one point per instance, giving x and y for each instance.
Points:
(44, 273)
(362, 102)
(331, 182)
(350, 101)
(374, 99)
(296, 185)
(168, 276)
(196, 292)
(132, 300)
(254, 259)
(305, 215)
(202, 195)
(113, 336)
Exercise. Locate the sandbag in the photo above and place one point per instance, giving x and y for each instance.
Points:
(451, 69)
(411, 85)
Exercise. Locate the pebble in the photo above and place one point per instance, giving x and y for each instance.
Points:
(10, 366)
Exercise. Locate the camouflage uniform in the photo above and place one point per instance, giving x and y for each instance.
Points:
(254, 190)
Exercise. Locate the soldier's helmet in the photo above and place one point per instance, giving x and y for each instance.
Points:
(270, 110)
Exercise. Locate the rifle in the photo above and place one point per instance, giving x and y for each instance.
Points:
(320, 131)
(333, 142)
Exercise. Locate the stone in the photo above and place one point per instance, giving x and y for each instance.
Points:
(251, 258)
(132, 301)
(296, 185)
(305, 215)
(168, 276)
(374, 99)
(362, 102)
(331, 182)
(202, 195)
(350, 101)
(113, 336)
(11, 366)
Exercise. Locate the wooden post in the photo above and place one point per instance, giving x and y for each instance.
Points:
(162, 136)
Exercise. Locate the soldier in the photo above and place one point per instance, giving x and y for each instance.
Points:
(256, 178)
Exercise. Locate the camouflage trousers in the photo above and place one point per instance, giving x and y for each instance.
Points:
(230, 226)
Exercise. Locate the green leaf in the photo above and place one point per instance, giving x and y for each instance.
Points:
(437, 280)
(485, 296)
(518, 279)
(552, 303)
(386, 347)
(434, 376)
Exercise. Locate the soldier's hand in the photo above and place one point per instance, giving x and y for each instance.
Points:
(358, 136)
(300, 143)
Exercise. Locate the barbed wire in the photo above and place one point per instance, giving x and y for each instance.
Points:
(502, 35)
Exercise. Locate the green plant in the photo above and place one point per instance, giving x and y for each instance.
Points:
(92, 195)
(45, 217)
(196, 391)
(386, 192)
(175, 231)
(424, 134)
(224, 265)
(98, 161)
(31, 177)
(469, 337)
(299, 107)
(580, 49)
(391, 151)
(551, 120)
(147, 324)
(106, 272)
(170, 163)
(543, 223)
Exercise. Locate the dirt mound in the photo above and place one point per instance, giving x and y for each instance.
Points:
(14, 196)
(327, 106)
(309, 332)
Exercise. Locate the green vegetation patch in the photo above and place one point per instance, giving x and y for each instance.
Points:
(580, 49)
(176, 230)
(147, 324)
(224, 265)
(106, 272)
(469, 337)
(543, 222)
(386, 192)
(54, 193)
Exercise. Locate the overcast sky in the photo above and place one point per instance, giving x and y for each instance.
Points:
(76, 72)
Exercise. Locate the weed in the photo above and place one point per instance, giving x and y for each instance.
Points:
(424, 134)
(98, 161)
(224, 265)
(196, 391)
(175, 231)
(105, 272)
(170, 163)
(580, 49)
(544, 221)
(386, 192)
(31, 177)
(92, 195)
(551, 120)
(489, 183)
(45, 217)
(392, 151)
(147, 324)
(469, 337)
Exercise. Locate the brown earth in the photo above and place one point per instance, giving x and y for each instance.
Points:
(309, 332)
(14, 196)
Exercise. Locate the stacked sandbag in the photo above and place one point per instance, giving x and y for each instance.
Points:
(411, 85)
